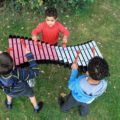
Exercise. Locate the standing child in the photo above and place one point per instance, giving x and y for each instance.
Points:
(50, 29)
(85, 88)
(14, 80)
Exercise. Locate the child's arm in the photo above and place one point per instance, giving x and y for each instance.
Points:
(34, 37)
(29, 72)
(30, 59)
(74, 73)
(73, 76)
(64, 43)
(36, 31)
(65, 32)
(33, 70)
(65, 39)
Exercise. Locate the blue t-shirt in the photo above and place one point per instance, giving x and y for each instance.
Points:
(83, 91)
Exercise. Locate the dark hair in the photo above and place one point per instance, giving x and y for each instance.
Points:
(98, 68)
(51, 12)
(6, 63)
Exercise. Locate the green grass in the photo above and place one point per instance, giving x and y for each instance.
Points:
(100, 22)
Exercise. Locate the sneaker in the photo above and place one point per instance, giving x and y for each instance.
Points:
(40, 104)
(8, 106)
(60, 100)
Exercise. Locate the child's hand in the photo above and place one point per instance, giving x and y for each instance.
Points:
(74, 66)
(64, 45)
(27, 51)
(65, 40)
(0, 52)
(34, 38)
(63, 94)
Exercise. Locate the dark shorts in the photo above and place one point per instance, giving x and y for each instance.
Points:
(21, 89)
(70, 102)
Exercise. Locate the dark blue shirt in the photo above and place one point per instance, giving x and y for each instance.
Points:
(22, 74)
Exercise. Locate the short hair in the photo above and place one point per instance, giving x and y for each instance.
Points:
(98, 68)
(6, 63)
(51, 12)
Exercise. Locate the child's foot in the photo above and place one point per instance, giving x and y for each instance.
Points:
(63, 94)
(60, 100)
(40, 106)
(8, 106)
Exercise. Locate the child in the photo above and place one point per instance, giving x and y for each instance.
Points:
(85, 88)
(14, 80)
(50, 28)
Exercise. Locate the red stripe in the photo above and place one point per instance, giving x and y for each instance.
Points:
(36, 50)
(23, 49)
(93, 51)
(15, 52)
(20, 51)
(76, 58)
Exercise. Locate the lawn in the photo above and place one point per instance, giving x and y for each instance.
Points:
(101, 22)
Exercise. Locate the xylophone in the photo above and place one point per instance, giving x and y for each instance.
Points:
(46, 52)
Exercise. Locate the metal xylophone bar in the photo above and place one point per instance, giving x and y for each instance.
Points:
(46, 52)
